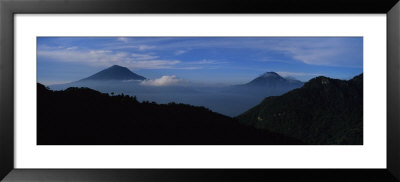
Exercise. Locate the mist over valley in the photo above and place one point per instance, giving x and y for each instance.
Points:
(228, 100)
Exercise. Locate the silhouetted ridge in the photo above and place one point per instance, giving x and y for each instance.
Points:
(323, 111)
(115, 73)
(82, 116)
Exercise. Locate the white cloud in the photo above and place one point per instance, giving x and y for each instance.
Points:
(179, 52)
(143, 56)
(123, 39)
(153, 64)
(72, 48)
(334, 51)
(145, 47)
(296, 74)
(207, 61)
(107, 58)
(188, 68)
(164, 81)
(326, 52)
(300, 75)
(138, 47)
(313, 55)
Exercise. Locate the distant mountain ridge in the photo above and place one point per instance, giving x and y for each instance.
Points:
(267, 84)
(323, 111)
(114, 72)
(272, 79)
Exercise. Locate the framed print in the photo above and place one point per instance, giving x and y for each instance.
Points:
(255, 91)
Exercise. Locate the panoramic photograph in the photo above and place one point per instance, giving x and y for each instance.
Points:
(199, 91)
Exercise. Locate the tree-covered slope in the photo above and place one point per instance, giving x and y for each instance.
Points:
(323, 111)
(84, 116)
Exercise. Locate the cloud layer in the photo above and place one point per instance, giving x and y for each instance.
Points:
(164, 81)
(107, 58)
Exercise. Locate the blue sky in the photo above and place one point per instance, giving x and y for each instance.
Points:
(215, 60)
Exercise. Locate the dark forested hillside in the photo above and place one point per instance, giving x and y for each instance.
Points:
(85, 116)
(323, 111)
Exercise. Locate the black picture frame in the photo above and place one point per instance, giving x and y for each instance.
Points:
(8, 8)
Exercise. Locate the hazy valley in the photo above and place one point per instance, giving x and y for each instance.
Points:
(228, 100)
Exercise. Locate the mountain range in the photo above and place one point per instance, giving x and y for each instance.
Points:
(269, 109)
(229, 100)
(323, 111)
